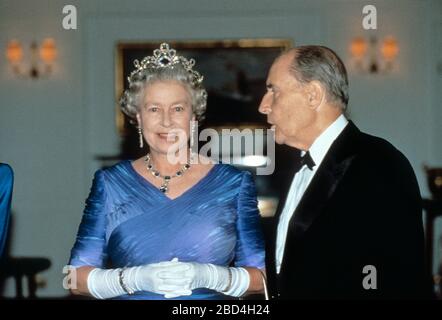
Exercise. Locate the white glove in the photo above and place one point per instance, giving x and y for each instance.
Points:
(148, 278)
(230, 281)
(104, 284)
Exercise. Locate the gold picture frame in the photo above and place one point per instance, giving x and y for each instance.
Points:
(234, 75)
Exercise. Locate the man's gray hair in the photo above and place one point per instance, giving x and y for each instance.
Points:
(322, 64)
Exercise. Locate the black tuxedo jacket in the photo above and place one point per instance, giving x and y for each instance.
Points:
(362, 208)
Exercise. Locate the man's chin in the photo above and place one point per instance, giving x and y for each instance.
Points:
(279, 139)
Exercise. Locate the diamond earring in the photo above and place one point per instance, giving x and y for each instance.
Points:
(193, 134)
(140, 135)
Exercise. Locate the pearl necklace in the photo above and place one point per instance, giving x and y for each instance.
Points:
(166, 179)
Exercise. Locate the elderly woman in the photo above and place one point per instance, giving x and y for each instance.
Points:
(155, 228)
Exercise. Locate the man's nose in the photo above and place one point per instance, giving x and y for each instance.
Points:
(264, 106)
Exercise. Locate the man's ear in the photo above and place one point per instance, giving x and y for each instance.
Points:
(315, 94)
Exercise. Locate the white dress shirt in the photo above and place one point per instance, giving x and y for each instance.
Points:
(301, 181)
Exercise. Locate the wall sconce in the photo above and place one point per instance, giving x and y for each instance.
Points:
(40, 61)
(370, 57)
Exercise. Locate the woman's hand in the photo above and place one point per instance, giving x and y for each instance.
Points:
(230, 281)
(149, 278)
(110, 283)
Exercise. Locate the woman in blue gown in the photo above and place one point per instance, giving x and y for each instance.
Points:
(6, 184)
(154, 228)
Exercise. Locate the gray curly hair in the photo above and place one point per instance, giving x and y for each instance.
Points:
(131, 98)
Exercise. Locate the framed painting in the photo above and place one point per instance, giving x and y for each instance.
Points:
(234, 73)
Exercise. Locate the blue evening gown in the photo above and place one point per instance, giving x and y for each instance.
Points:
(129, 222)
(6, 184)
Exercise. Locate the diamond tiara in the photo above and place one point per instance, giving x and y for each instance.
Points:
(164, 57)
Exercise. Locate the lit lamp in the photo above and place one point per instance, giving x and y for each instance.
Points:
(48, 51)
(45, 54)
(358, 48)
(369, 58)
(14, 54)
(390, 50)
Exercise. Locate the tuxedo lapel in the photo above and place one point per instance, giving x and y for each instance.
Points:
(324, 183)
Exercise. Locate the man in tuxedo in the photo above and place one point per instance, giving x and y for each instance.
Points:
(349, 222)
